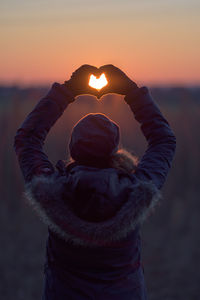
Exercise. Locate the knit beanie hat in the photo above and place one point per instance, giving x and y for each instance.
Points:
(94, 137)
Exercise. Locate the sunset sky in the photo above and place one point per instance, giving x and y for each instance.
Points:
(153, 41)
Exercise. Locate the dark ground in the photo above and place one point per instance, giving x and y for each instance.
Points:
(171, 240)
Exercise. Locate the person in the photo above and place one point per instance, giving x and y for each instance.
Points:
(94, 205)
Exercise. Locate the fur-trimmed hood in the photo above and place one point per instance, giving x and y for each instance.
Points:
(91, 206)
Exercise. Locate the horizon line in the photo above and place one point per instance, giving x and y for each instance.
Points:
(43, 84)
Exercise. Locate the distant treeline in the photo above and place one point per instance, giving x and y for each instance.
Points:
(174, 95)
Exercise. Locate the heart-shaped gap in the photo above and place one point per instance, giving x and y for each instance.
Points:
(98, 83)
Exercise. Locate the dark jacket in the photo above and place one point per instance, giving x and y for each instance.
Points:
(98, 256)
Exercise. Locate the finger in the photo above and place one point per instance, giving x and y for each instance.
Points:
(108, 68)
(85, 69)
(93, 71)
(108, 71)
(92, 91)
(103, 91)
(89, 69)
(104, 69)
(85, 66)
(79, 69)
(99, 95)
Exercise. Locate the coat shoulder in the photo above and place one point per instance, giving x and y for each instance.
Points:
(132, 202)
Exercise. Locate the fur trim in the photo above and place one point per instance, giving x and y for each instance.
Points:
(44, 193)
(124, 160)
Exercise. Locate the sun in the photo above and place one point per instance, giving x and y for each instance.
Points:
(98, 83)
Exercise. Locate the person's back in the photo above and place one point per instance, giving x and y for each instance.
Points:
(94, 206)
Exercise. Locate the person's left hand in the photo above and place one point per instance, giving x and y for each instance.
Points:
(118, 81)
(78, 83)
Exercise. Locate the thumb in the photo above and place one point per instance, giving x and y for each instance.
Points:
(105, 90)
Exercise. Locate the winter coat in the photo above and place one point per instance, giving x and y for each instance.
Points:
(93, 214)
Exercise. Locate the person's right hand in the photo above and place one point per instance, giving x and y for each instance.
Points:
(78, 83)
(118, 81)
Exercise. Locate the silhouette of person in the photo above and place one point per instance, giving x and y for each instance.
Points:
(94, 206)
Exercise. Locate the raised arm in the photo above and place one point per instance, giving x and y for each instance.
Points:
(157, 160)
(29, 139)
(31, 135)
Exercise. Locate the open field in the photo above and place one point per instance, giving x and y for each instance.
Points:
(171, 239)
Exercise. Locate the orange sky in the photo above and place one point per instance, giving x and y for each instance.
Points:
(152, 41)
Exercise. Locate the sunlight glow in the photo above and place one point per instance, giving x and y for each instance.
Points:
(98, 83)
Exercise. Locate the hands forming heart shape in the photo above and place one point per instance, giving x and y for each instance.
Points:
(99, 81)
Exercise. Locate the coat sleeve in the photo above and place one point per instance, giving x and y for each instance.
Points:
(157, 159)
(29, 139)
